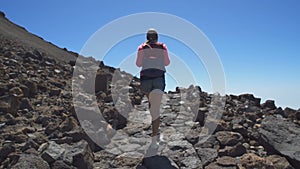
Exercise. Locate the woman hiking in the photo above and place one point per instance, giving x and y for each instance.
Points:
(153, 56)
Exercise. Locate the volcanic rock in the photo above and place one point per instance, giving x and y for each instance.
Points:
(282, 136)
(31, 161)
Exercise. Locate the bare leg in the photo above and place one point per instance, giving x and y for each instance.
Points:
(149, 105)
(155, 97)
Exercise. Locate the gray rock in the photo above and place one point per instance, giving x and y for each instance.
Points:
(192, 136)
(9, 104)
(269, 104)
(3, 88)
(183, 154)
(209, 142)
(226, 161)
(51, 127)
(129, 159)
(31, 161)
(250, 98)
(228, 138)
(54, 92)
(233, 151)
(200, 115)
(78, 134)
(68, 124)
(53, 152)
(79, 155)
(207, 155)
(103, 159)
(43, 119)
(191, 162)
(25, 104)
(236, 150)
(298, 115)
(5, 151)
(129, 147)
(34, 55)
(31, 87)
(240, 129)
(290, 113)
(16, 137)
(214, 165)
(251, 160)
(279, 162)
(283, 136)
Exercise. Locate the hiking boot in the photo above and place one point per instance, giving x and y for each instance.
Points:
(159, 138)
(154, 145)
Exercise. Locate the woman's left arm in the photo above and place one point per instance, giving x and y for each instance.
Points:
(166, 55)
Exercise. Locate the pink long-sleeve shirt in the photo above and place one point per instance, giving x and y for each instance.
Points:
(139, 60)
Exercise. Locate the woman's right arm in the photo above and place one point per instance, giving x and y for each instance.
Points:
(139, 59)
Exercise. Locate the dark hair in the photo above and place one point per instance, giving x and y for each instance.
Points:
(152, 35)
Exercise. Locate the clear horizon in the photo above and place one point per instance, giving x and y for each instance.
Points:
(257, 42)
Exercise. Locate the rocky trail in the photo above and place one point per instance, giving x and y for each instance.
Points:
(48, 121)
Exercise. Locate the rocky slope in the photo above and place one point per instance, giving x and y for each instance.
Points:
(40, 126)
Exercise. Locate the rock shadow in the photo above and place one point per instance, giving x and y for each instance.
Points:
(156, 162)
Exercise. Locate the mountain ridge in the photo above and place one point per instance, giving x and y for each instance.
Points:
(18, 33)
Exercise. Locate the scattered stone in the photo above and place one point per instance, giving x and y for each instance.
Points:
(201, 115)
(233, 151)
(276, 161)
(68, 125)
(54, 92)
(16, 91)
(31, 89)
(226, 161)
(207, 155)
(214, 165)
(16, 137)
(252, 161)
(9, 104)
(25, 104)
(53, 152)
(130, 159)
(51, 127)
(5, 151)
(228, 138)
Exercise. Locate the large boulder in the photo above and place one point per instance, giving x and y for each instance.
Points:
(31, 161)
(78, 155)
(283, 136)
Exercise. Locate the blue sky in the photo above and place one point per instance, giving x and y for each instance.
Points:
(257, 41)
